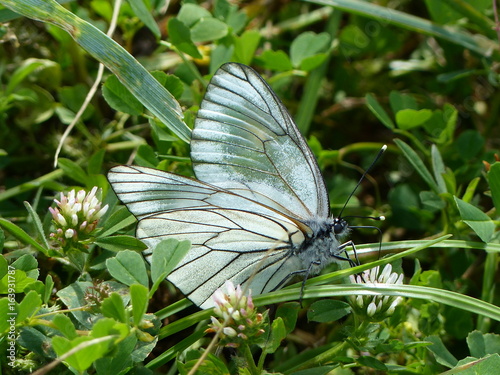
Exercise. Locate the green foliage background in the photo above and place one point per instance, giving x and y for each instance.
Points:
(420, 76)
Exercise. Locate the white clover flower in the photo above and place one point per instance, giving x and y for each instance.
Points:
(234, 313)
(376, 308)
(76, 215)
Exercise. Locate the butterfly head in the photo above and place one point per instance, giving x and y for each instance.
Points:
(339, 227)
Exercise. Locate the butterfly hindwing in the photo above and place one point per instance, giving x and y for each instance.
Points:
(232, 237)
(245, 140)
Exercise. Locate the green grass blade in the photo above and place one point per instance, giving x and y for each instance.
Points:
(477, 43)
(132, 74)
(418, 164)
(439, 295)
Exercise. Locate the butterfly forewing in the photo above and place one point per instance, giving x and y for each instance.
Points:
(244, 138)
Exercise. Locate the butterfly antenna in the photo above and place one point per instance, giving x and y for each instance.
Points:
(384, 147)
(376, 228)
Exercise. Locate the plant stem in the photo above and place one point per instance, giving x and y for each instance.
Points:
(247, 354)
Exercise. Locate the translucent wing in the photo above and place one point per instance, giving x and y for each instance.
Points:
(232, 237)
(245, 141)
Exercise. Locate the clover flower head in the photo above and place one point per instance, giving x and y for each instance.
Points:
(379, 307)
(76, 215)
(236, 318)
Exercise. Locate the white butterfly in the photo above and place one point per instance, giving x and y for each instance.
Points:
(258, 213)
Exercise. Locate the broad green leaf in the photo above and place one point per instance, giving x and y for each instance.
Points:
(119, 219)
(128, 267)
(15, 281)
(65, 326)
(481, 344)
(166, 255)
(141, 10)
(371, 362)
(220, 55)
(73, 170)
(139, 297)
(48, 287)
(3, 267)
(73, 297)
(278, 334)
(146, 156)
(407, 119)
(444, 13)
(327, 311)
(120, 242)
(95, 162)
(475, 341)
(180, 36)
(457, 322)
(469, 144)
(208, 29)
(489, 364)
(431, 201)
(275, 60)
(442, 355)
(33, 340)
(107, 326)
(120, 98)
(172, 83)
(289, 312)
(189, 14)
(312, 62)
(245, 46)
(28, 264)
(113, 307)
(121, 361)
(237, 19)
(479, 222)
(29, 306)
(399, 101)
(306, 45)
(87, 354)
(380, 113)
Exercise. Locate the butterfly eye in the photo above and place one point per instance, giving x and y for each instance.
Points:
(339, 226)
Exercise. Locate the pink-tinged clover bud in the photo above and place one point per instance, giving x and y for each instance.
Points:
(76, 215)
(236, 318)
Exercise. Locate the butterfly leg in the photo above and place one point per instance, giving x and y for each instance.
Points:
(342, 249)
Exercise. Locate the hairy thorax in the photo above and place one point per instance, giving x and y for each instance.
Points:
(324, 246)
